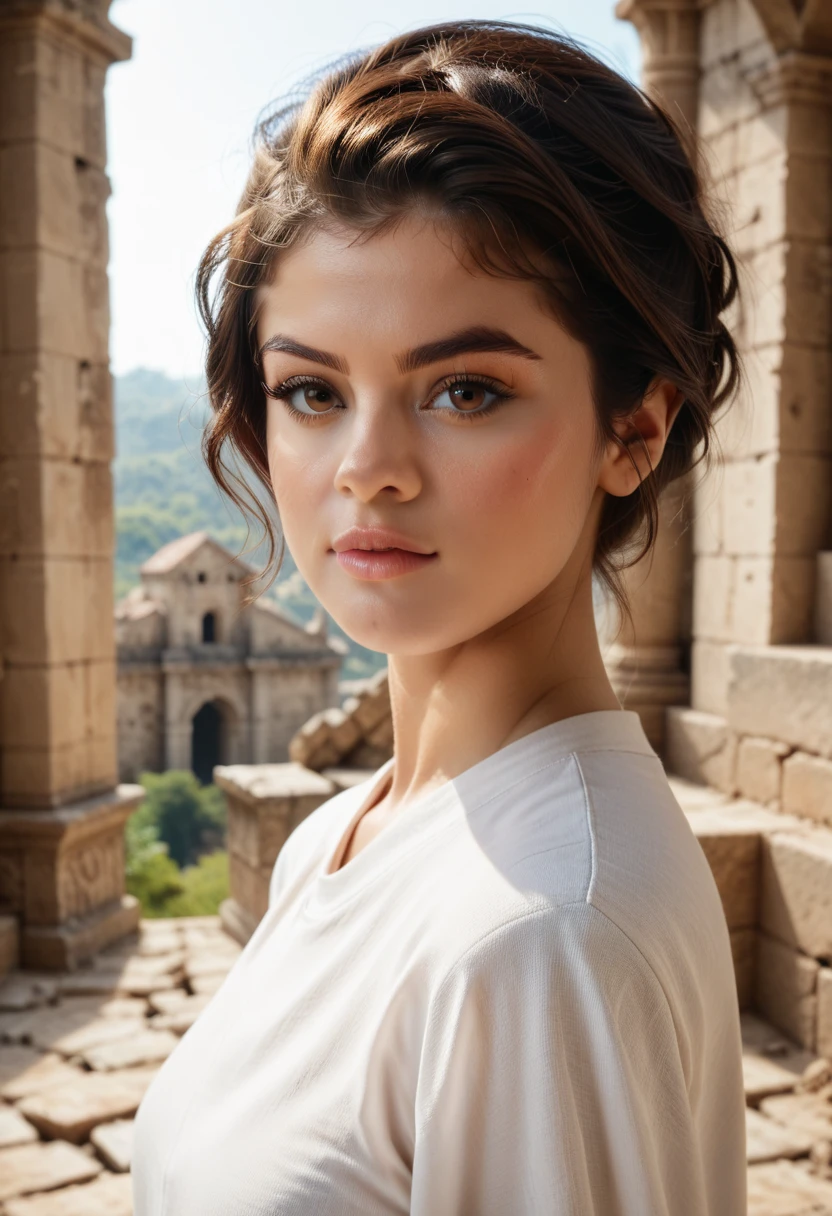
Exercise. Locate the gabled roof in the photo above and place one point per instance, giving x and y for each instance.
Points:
(175, 552)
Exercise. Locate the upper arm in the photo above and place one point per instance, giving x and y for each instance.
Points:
(551, 1080)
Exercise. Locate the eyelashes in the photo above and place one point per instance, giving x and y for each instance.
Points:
(286, 388)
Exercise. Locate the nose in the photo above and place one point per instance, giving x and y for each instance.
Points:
(380, 456)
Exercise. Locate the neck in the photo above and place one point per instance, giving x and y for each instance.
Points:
(452, 709)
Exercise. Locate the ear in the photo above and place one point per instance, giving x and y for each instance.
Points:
(625, 463)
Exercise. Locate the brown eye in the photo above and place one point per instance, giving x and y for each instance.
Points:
(317, 398)
(467, 396)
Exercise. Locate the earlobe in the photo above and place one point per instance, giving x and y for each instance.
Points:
(640, 439)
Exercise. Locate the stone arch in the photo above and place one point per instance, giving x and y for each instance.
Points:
(210, 627)
(214, 726)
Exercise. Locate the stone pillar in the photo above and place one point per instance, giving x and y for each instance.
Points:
(647, 663)
(765, 516)
(62, 817)
(265, 803)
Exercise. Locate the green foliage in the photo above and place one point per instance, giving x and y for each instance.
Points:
(204, 887)
(182, 812)
(177, 819)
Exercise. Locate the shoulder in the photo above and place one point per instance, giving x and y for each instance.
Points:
(587, 863)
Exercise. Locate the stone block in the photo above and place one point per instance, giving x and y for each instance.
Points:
(759, 773)
(114, 1144)
(771, 1062)
(731, 598)
(759, 202)
(107, 1195)
(700, 747)
(792, 596)
(783, 692)
(14, 1129)
(763, 283)
(824, 1040)
(807, 1112)
(249, 886)
(143, 1048)
(57, 610)
(731, 845)
(56, 508)
(823, 600)
(782, 1188)
(750, 500)
(710, 673)
(807, 787)
(56, 406)
(25, 1070)
(796, 890)
(43, 1167)
(9, 946)
(70, 1112)
(785, 989)
(266, 802)
(767, 1140)
(743, 951)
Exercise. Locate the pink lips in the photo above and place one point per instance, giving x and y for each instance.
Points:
(378, 553)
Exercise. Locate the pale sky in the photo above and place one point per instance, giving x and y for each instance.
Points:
(180, 115)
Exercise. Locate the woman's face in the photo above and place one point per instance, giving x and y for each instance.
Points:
(431, 438)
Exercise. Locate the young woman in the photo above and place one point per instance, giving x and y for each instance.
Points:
(464, 328)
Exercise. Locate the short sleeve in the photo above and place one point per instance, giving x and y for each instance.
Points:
(551, 1081)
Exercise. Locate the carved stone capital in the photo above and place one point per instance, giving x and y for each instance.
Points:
(84, 22)
(793, 78)
(669, 32)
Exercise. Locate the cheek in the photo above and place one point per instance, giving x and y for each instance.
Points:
(526, 489)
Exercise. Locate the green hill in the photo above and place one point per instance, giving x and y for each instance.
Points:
(163, 490)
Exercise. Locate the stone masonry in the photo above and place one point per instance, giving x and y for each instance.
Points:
(203, 677)
(62, 814)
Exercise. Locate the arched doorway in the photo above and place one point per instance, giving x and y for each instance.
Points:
(207, 741)
(209, 627)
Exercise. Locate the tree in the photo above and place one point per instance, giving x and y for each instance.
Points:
(184, 815)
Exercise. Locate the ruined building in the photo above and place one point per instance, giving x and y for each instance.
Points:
(204, 679)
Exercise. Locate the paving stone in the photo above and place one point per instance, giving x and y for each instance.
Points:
(169, 1001)
(181, 1019)
(767, 1140)
(88, 983)
(25, 1070)
(209, 964)
(137, 984)
(42, 1027)
(14, 1129)
(781, 1188)
(809, 1113)
(124, 1007)
(771, 1062)
(96, 1033)
(27, 990)
(153, 945)
(114, 1143)
(144, 1047)
(71, 1111)
(207, 984)
(43, 1167)
(109, 1195)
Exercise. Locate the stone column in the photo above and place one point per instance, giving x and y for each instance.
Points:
(647, 663)
(62, 817)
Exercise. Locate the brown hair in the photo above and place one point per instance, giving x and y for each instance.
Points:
(554, 169)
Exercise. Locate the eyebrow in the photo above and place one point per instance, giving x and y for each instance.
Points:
(478, 338)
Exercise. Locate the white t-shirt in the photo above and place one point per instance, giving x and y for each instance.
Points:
(518, 999)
